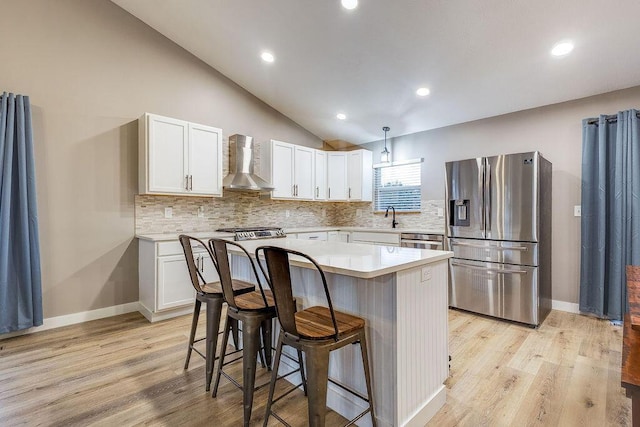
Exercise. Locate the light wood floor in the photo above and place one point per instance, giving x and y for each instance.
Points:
(125, 371)
(565, 373)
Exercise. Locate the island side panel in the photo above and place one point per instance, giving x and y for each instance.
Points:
(422, 341)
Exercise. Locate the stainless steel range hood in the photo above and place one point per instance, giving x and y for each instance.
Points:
(241, 158)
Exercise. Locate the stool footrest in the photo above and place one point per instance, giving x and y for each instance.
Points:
(350, 390)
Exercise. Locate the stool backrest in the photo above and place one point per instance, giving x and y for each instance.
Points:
(188, 243)
(279, 277)
(219, 248)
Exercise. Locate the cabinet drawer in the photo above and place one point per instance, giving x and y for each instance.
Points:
(175, 248)
(320, 235)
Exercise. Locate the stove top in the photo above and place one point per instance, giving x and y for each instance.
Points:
(253, 233)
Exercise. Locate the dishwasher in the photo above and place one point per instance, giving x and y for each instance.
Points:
(421, 241)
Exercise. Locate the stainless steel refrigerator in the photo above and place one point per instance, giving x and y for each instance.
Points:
(499, 229)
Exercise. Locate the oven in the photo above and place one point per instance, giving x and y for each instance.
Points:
(421, 241)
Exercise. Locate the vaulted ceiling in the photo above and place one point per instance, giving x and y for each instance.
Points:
(478, 58)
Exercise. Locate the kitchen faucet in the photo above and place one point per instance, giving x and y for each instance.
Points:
(393, 221)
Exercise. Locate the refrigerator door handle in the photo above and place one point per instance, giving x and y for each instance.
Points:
(499, 248)
(487, 194)
(489, 270)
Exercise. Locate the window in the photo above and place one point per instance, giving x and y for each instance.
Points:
(397, 185)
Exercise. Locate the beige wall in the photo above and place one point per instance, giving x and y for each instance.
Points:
(555, 131)
(91, 70)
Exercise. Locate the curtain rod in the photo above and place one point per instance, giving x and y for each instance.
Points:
(611, 119)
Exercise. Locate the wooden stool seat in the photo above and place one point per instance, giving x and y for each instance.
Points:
(315, 323)
(239, 287)
(253, 301)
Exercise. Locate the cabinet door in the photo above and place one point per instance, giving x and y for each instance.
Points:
(205, 160)
(282, 158)
(167, 154)
(207, 269)
(303, 172)
(355, 175)
(337, 176)
(320, 172)
(174, 285)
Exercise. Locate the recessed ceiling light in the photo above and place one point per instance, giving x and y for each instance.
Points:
(350, 4)
(267, 57)
(423, 91)
(341, 116)
(562, 48)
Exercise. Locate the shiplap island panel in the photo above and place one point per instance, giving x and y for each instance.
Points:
(402, 294)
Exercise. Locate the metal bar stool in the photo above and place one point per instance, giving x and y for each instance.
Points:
(255, 310)
(316, 331)
(211, 295)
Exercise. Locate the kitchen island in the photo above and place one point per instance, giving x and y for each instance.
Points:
(402, 295)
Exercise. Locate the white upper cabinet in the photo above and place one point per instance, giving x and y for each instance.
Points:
(205, 159)
(337, 175)
(360, 175)
(282, 158)
(291, 170)
(350, 175)
(320, 181)
(178, 157)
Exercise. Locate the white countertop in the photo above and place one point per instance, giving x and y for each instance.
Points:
(353, 259)
(161, 237)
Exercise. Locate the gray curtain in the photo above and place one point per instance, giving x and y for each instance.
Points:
(610, 211)
(20, 285)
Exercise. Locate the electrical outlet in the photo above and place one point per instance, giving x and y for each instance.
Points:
(287, 214)
(440, 212)
(577, 210)
(426, 274)
(358, 213)
(324, 213)
(168, 212)
(201, 212)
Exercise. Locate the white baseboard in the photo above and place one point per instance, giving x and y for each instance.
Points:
(71, 319)
(569, 307)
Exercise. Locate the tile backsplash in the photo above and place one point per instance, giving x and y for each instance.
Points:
(238, 209)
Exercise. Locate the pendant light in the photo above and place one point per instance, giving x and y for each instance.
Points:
(385, 156)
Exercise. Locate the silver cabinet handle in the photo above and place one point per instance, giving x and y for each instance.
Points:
(349, 192)
(489, 270)
(296, 190)
(329, 189)
(186, 182)
(313, 237)
(317, 192)
(293, 191)
(499, 248)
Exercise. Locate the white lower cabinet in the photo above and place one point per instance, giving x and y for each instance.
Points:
(339, 236)
(164, 285)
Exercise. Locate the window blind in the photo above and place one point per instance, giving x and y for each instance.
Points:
(397, 186)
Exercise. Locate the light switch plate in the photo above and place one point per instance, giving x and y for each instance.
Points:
(577, 210)
(168, 212)
(440, 212)
(426, 274)
(287, 214)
